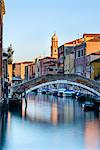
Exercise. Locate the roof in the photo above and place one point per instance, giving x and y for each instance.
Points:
(25, 62)
(48, 58)
(30, 64)
(94, 36)
(95, 39)
(95, 53)
(74, 42)
(96, 60)
(91, 34)
(77, 41)
(55, 37)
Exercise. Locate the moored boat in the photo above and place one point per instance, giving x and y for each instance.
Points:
(69, 93)
(88, 106)
(54, 92)
(61, 92)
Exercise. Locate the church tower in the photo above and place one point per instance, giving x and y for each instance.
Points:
(54, 46)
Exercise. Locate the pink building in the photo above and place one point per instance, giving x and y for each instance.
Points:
(48, 65)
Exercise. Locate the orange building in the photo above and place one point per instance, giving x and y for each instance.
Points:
(19, 69)
(10, 71)
(54, 46)
(93, 45)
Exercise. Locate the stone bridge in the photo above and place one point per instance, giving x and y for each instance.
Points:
(71, 79)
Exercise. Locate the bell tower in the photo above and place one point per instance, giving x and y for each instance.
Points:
(54, 46)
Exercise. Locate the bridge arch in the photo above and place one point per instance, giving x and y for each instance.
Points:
(64, 82)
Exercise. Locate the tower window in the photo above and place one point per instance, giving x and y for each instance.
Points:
(55, 50)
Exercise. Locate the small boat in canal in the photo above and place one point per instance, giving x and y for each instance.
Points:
(69, 93)
(88, 106)
(61, 92)
(81, 97)
(43, 91)
(54, 92)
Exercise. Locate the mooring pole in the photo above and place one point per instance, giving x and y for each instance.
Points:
(25, 98)
(96, 110)
(21, 96)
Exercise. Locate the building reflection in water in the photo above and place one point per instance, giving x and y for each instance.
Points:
(37, 110)
(9, 123)
(3, 130)
(50, 109)
(92, 135)
(54, 113)
(64, 115)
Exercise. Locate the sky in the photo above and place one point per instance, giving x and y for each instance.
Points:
(30, 24)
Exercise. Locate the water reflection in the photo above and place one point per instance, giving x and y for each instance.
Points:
(55, 110)
(45, 122)
(3, 130)
(54, 113)
(92, 135)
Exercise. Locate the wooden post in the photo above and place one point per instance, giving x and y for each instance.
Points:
(25, 98)
(21, 96)
(96, 111)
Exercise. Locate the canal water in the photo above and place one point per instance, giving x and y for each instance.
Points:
(50, 123)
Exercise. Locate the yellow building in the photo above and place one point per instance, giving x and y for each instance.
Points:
(54, 46)
(95, 69)
(10, 71)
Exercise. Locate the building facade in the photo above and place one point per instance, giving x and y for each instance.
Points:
(30, 71)
(95, 69)
(5, 75)
(48, 65)
(90, 45)
(37, 66)
(19, 69)
(54, 46)
(10, 72)
(80, 59)
(90, 58)
(66, 57)
(61, 59)
(68, 60)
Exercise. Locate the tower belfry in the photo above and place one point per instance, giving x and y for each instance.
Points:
(54, 46)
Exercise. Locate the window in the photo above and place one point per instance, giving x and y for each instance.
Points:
(78, 53)
(50, 69)
(82, 52)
